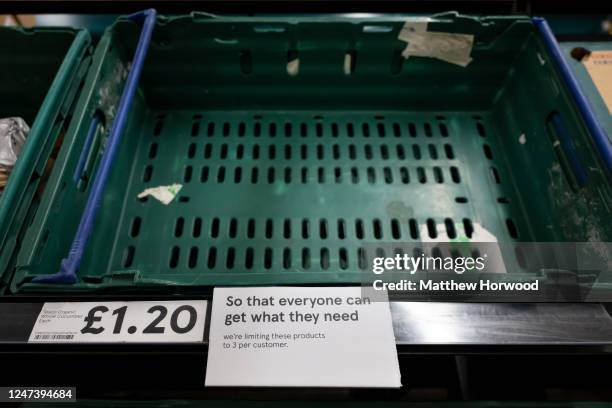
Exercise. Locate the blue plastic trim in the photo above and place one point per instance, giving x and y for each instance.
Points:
(599, 136)
(69, 265)
(93, 128)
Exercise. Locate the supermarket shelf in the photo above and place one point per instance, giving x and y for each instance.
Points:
(430, 324)
(441, 334)
(475, 354)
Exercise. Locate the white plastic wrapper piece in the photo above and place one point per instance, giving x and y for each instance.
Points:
(165, 194)
(13, 133)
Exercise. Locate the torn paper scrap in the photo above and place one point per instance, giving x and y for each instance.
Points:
(453, 48)
(165, 194)
(449, 47)
(348, 62)
(293, 67)
(412, 27)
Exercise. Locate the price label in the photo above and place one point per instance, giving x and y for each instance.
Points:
(120, 322)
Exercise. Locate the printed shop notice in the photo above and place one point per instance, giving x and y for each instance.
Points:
(300, 337)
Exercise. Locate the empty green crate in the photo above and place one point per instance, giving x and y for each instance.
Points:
(40, 75)
(287, 175)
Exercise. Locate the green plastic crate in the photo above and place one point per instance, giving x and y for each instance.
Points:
(288, 176)
(40, 74)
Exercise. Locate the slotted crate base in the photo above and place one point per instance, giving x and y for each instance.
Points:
(293, 197)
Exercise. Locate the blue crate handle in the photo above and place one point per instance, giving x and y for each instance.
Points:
(599, 136)
(69, 265)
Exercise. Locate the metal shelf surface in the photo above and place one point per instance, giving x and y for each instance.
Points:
(427, 324)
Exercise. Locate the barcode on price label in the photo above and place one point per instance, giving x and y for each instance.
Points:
(54, 337)
(120, 322)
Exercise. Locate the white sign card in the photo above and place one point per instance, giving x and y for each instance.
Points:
(301, 337)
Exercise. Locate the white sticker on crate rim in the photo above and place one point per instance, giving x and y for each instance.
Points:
(176, 321)
(300, 337)
(450, 47)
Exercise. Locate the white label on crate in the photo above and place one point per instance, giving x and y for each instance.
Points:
(121, 322)
(300, 337)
